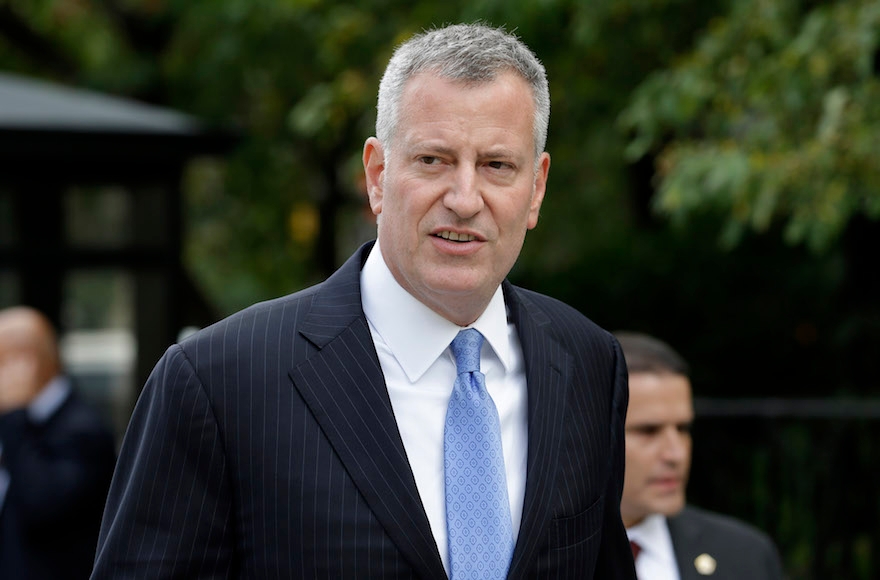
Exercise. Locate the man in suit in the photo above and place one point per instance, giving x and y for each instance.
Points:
(672, 540)
(56, 458)
(322, 434)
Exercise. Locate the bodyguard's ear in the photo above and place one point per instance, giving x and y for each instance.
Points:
(374, 170)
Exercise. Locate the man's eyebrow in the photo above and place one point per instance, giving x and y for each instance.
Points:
(656, 425)
(429, 147)
(647, 425)
(499, 152)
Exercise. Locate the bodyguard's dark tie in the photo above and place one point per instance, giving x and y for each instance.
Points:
(478, 520)
(636, 549)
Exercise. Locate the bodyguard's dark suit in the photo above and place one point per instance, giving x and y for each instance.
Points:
(59, 472)
(265, 446)
(740, 551)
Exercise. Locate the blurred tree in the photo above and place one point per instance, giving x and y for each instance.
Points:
(772, 117)
(299, 77)
(745, 121)
(768, 129)
(769, 114)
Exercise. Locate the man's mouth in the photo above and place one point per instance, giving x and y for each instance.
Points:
(666, 482)
(456, 237)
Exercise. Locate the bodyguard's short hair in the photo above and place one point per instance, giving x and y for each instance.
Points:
(646, 354)
(470, 53)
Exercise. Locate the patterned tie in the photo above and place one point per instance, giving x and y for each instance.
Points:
(477, 509)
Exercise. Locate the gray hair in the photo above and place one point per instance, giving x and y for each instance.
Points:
(472, 53)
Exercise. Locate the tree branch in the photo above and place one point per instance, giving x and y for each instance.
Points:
(34, 46)
(147, 34)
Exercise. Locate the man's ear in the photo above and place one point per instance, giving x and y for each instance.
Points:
(540, 187)
(374, 170)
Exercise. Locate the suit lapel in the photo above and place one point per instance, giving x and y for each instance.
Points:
(547, 366)
(343, 385)
(685, 535)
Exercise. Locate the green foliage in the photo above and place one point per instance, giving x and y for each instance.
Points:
(299, 79)
(759, 119)
(773, 116)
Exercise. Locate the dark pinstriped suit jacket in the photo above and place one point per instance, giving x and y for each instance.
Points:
(265, 446)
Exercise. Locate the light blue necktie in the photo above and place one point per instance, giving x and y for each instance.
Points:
(477, 509)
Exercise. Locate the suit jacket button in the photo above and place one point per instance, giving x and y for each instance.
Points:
(705, 564)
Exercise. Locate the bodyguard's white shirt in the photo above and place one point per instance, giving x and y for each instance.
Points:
(656, 561)
(412, 342)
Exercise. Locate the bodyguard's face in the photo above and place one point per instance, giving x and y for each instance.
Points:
(658, 445)
(457, 189)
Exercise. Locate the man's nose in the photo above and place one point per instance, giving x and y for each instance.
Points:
(674, 445)
(464, 196)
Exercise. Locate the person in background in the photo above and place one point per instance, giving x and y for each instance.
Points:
(56, 458)
(415, 415)
(670, 539)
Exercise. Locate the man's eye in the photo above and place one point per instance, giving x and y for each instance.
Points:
(429, 160)
(645, 430)
(499, 165)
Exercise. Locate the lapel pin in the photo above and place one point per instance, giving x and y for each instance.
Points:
(705, 564)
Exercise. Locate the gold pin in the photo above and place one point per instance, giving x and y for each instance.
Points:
(705, 564)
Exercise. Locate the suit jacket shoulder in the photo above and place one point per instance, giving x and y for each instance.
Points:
(735, 550)
(567, 325)
(552, 310)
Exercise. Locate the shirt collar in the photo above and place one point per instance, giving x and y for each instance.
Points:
(652, 535)
(49, 400)
(394, 313)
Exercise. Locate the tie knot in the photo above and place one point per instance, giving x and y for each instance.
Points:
(466, 350)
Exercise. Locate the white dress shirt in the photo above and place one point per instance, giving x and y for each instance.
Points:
(656, 561)
(49, 400)
(412, 342)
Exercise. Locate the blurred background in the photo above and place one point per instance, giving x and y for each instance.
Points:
(715, 182)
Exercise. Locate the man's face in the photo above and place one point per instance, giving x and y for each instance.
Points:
(26, 364)
(658, 445)
(456, 189)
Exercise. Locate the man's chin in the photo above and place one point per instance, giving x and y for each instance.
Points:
(670, 506)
